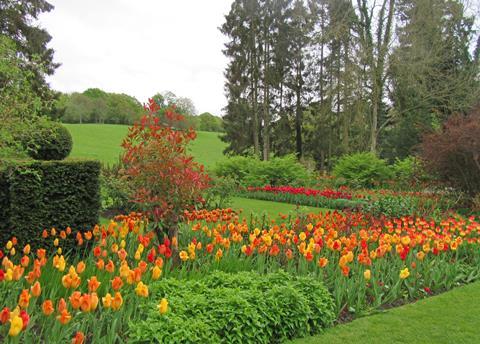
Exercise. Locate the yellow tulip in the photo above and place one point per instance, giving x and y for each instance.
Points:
(163, 306)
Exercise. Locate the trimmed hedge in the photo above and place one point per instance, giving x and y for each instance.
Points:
(37, 195)
(245, 307)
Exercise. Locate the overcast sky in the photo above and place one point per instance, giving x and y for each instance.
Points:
(140, 47)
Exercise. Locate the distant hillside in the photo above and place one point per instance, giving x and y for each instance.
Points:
(102, 141)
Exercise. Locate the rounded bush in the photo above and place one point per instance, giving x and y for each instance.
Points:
(362, 170)
(49, 141)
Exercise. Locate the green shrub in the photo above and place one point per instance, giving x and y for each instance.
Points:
(362, 170)
(48, 141)
(37, 195)
(250, 171)
(391, 206)
(236, 308)
(114, 191)
(220, 194)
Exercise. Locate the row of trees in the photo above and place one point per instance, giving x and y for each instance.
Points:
(323, 78)
(97, 106)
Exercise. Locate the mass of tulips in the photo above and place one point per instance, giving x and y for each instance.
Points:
(328, 193)
(93, 292)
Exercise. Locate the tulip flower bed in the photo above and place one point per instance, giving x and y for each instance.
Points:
(326, 198)
(120, 281)
(377, 202)
(365, 262)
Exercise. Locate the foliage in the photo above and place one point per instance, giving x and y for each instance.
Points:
(220, 193)
(362, 170)
(250, 171)
(162, 177)
(45, 194)
(18, 20)
(326, 78)
(209, 122)
(244, 307)
(19, 100)
(453, 153)
(391, 206)
(114, 191)
(97, 106)
(47, 140)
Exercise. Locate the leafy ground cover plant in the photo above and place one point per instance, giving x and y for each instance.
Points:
(244, 307)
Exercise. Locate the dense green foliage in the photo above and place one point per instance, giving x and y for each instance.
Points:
(326, 78)
(236, 308)
(47, 140)
(97, 106)
(38, 195)
(250, 171)
(18, 22)
(362, 170)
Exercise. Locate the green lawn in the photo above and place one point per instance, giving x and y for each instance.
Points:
(452, 317)
(102, 142)
(258, 207)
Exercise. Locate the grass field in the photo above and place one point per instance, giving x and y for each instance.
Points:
(452, 317)
(102, 142)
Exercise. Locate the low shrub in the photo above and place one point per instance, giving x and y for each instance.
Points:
(220, 193)
(250, 171)
(47, 140)
(362, 170)
(38, 195)
(245, 307)
(114, 191)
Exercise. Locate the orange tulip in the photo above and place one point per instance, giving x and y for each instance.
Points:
(64, 317)
(117, 301)
(93, 284)
(80, 267)
(75, 299)
(62, 305)
(36, 289)
(85, 303)
(117, 283)
(79, 338)
(47, 307)
(24, 299)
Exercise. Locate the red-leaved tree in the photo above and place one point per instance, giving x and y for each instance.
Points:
(454, 152)
(162, 177)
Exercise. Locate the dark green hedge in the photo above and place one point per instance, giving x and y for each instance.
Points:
(37, 195)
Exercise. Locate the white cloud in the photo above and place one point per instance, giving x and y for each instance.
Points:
(140, 47)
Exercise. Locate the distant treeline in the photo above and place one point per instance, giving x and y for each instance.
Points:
(97, 106)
